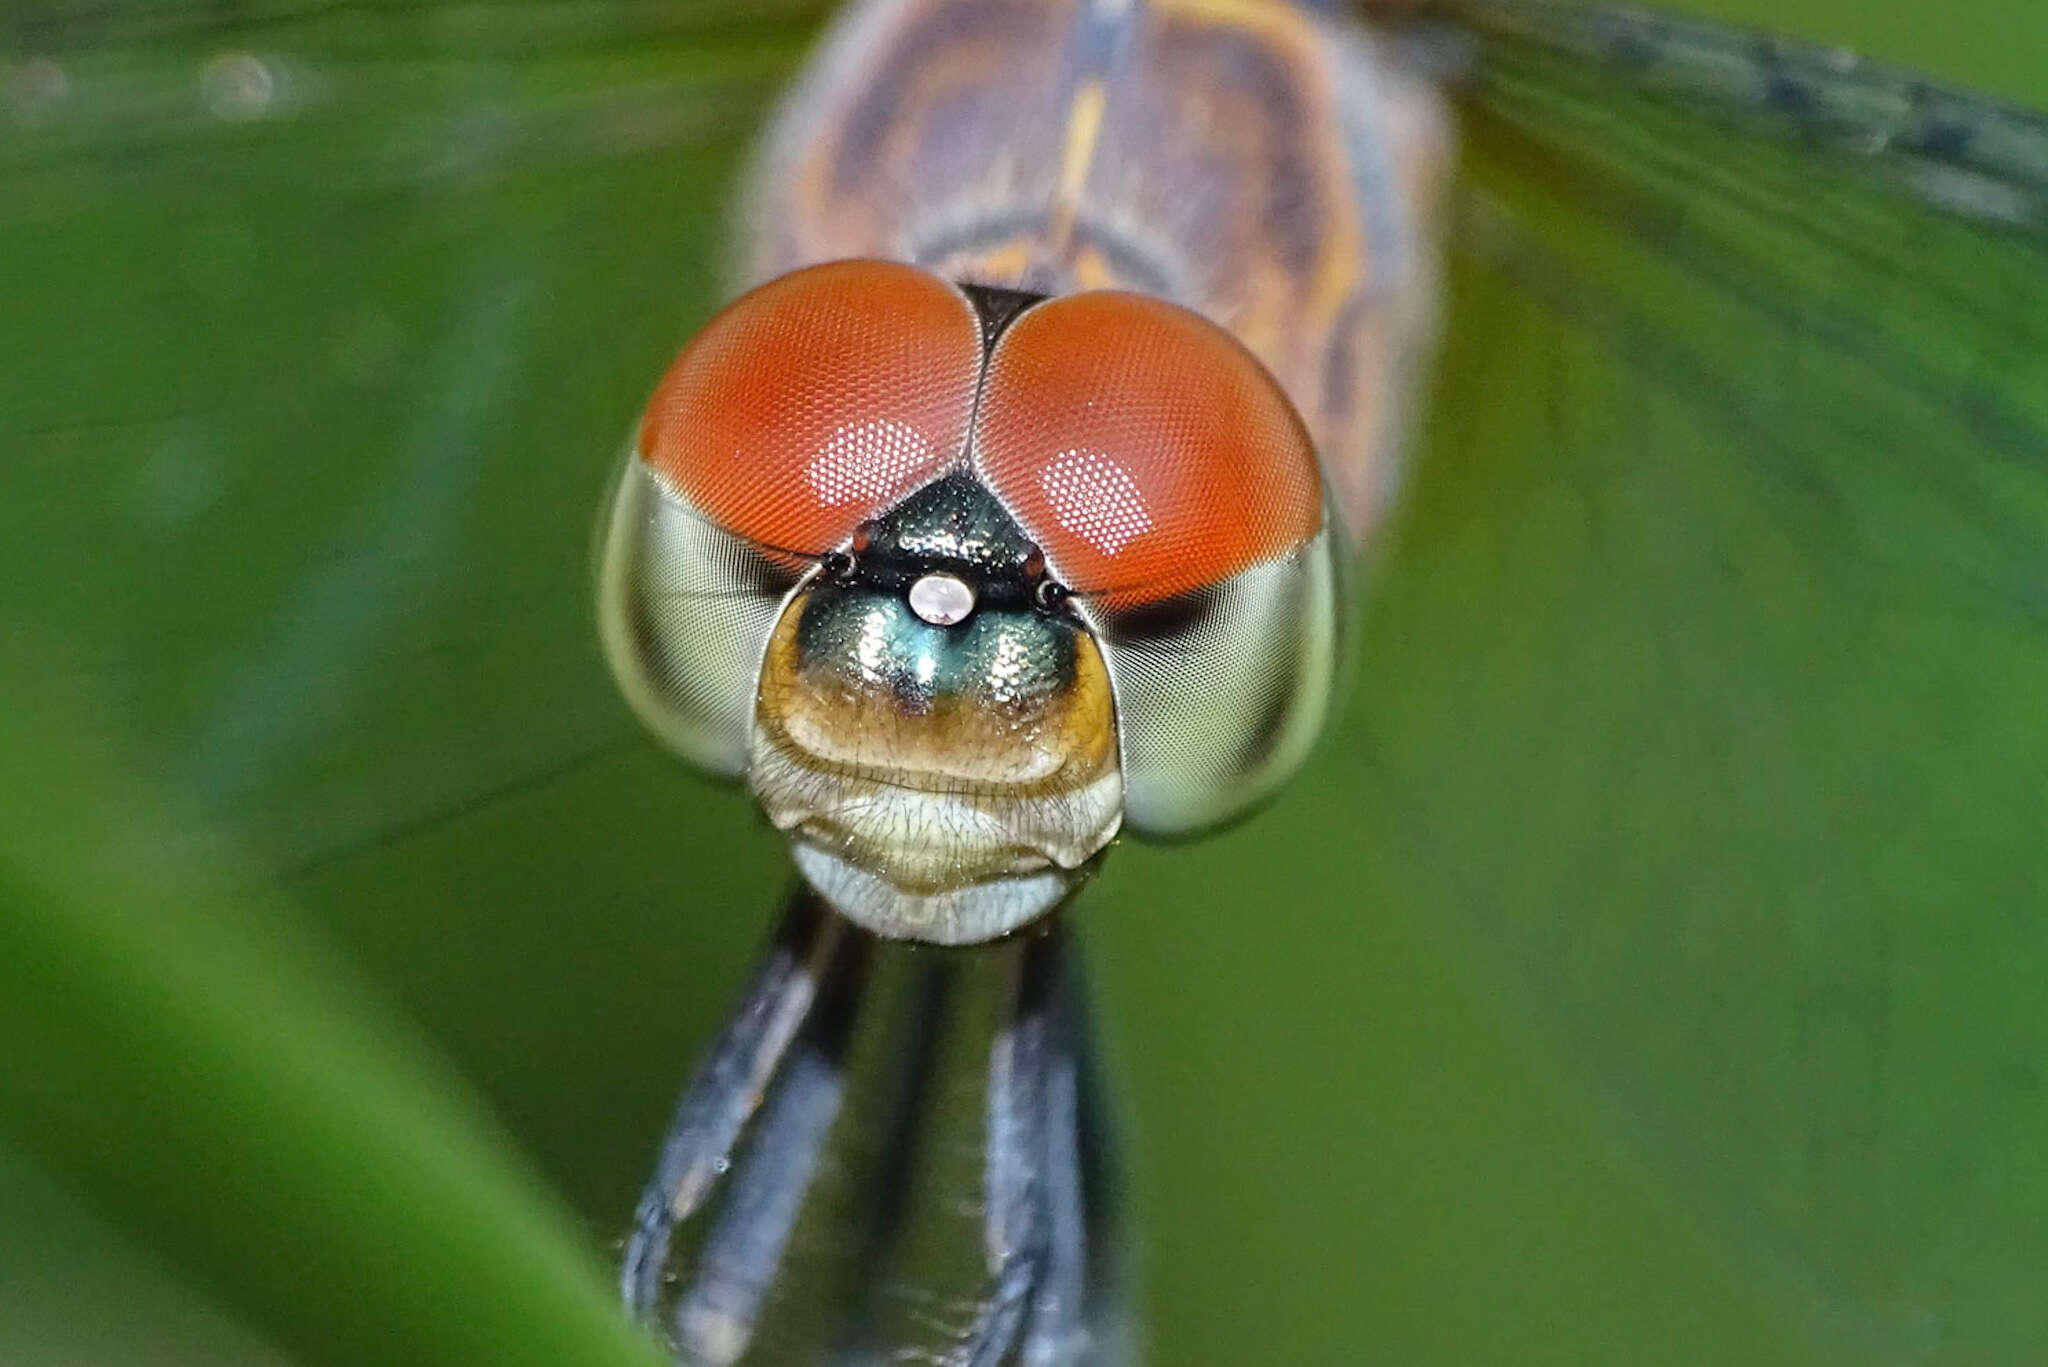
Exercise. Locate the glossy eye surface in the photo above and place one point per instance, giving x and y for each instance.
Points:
(1143, 448)
(815, 401)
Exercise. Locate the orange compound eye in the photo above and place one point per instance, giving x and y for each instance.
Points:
(812, 403)
(1146, 450)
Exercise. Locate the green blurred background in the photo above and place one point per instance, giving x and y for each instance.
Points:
(322, 326)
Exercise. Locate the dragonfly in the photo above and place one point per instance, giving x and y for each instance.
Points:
(1692, 686)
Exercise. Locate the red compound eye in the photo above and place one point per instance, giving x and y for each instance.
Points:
(812, 403)
(1146, 450)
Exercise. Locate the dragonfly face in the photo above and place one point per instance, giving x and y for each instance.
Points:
(996, 521)
(893, 547)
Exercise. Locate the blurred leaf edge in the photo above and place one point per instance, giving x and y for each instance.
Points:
(201, 1070)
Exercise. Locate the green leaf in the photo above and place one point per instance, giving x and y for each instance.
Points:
(208, 1075)
(74, 1289)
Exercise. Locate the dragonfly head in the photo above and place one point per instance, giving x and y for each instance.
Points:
(962, 582)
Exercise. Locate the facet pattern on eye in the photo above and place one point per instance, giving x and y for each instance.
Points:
(816, 401)
(1221, 692)
(1146, 450)
(686, 608)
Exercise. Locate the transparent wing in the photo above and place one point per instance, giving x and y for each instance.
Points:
(326, 325)
(1702, 689)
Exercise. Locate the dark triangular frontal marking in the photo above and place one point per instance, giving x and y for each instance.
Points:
(952, 523)
(997, 308)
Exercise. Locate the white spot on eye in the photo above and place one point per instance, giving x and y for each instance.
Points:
(866, 461)
(943, 600)
(1096, 499)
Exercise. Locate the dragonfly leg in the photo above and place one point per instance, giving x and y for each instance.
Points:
(1036, 1227)
(742, 1257)
(863, 1058)
(727, 1089)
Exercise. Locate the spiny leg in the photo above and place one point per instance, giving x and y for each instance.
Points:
(1036, 1228)
(742, 1257)
(1012, 1229)
(1047, 1230)
(727, 1088)
(1056, 1331)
